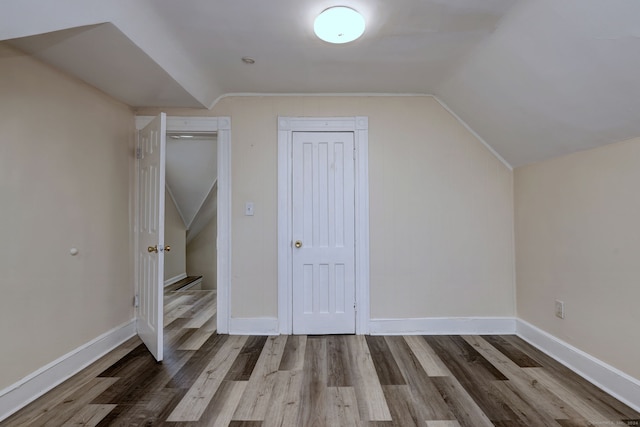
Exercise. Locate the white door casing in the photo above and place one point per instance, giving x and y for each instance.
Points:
(150, 248)
(323, 260)
(287, 127)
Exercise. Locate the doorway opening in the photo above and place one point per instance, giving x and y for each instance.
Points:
(190, 211)
(201, 211)
(191, 230)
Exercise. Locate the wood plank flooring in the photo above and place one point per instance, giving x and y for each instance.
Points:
(253, 381)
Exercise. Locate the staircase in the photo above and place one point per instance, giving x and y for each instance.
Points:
(189, 282)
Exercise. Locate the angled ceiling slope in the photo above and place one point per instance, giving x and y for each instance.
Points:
(556, 77)
(534, 78)
(102, 56)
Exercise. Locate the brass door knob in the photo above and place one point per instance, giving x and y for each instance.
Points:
(153, 249)
(298, 244)
(167, 248)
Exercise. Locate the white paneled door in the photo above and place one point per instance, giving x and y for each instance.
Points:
(151, 171)
(323, 233)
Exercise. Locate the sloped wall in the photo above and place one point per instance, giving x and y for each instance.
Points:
(175, 235)
(201, 255)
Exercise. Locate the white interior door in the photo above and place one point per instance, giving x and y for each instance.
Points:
(151, 174)
(323, 233)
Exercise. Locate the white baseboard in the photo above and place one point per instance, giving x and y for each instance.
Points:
(615, 382)
(44, 379)
(443, 326)
(174, 279)
(253, 326)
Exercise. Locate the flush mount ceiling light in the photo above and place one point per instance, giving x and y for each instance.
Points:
(339, 24)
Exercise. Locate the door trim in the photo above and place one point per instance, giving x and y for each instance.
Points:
(360, 128)
(221, 125)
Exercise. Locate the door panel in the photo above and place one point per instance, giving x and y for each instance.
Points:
(151, 184)
(323, 222)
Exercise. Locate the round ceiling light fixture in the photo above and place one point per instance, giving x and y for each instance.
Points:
(339, 24)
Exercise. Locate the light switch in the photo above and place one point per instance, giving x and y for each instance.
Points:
(248, 209)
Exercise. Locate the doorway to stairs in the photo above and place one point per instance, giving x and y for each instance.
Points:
(190, 210)
(150, 212)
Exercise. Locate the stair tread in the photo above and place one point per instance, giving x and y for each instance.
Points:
(176, 286)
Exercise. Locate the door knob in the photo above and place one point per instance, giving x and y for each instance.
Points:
(167, 248)
(298, 244)
(153, 249)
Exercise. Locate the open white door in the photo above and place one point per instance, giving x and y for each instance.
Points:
(150, 257)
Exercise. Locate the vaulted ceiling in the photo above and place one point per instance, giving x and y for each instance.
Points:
(534, 78)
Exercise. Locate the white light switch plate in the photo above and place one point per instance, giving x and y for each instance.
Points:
(248, 209)
(560, 309)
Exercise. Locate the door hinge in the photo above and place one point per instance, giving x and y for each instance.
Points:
(354, 153)
(138, 153)
(136, 301)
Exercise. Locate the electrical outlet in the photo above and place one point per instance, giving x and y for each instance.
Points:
(560, 309)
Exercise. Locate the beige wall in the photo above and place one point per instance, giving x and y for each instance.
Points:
(201, 255)
(578, 240)
(66, 155)
(175, 235)
(441, 207)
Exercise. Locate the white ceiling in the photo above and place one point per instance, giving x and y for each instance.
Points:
(534, 78)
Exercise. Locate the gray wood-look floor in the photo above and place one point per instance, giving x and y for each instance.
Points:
(250, 381)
